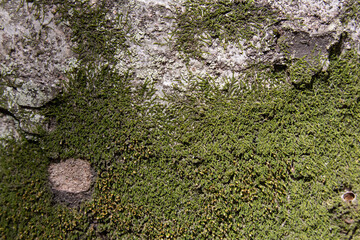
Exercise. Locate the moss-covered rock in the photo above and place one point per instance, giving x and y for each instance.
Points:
(265, 152)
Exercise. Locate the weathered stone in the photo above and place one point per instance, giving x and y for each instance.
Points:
(8, 127)
(305, 29)
(303, 45)
(35, 95)
(153, 58)
(29, 94)
(34, 53)
(312, 30)
(31, 120)
(72, 175)
(71, 181)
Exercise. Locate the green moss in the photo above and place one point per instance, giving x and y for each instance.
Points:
(351, 11)
(95, 35)
(242, 161)
(245, 163)
(204, 21)
(301, 73)
(26, 205)
(97, 102)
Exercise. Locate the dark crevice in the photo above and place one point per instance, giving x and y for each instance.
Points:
(335, 49)
(32, 108)
(279, 67)
(8, 113)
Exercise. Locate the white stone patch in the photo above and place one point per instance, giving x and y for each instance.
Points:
(32, 94)
(166, 3)
(152, 58)
(34, 52)
(8, 128)
(315, 15)
(353, 28)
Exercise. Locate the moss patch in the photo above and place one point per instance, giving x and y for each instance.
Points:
(351, 11)
(94, 33)
(227, 21)
(26, 205)
(235, 162)
(251, 164)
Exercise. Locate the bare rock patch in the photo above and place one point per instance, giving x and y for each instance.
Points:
(71, 181)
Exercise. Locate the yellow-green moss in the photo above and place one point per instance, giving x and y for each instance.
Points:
(233, 162)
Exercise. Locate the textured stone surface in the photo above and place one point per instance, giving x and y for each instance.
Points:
(153, 57)
(34, 53)
(311, 16)
(8, 127)
(309, 27)
(306, 28)
(72, 175)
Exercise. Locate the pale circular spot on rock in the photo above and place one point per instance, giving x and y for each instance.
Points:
(71, 181)
(72, 175)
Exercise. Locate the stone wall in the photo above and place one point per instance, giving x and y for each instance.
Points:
(35, 50)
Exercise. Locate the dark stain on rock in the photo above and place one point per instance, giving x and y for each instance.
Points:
(302, 44)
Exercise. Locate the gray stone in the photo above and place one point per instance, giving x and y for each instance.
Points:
(34, 55)
(31, 120)
(8, 128)
(309, 29)
(35, 95)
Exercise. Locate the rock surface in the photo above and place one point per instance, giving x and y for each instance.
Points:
(72, 175)
(35, 52)
(71, 181)
(304, 29)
